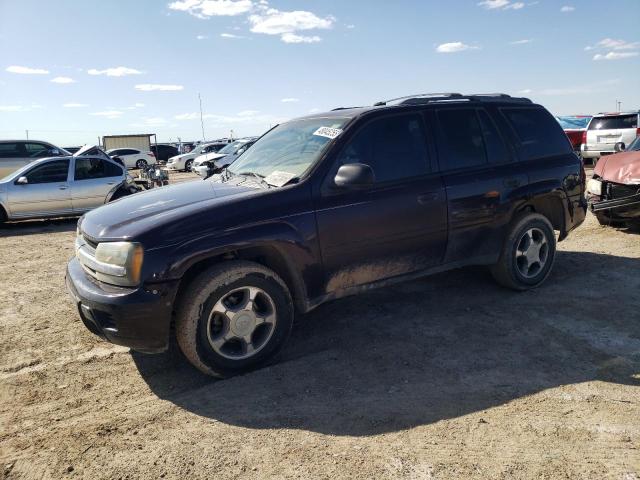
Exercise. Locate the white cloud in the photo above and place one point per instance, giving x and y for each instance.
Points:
(613, 49)
(615, 55)
(525, 91)
(290, 100)
(567, 9)
(74, 105)
(111, 114)
(210, 8)
(202, 37)
(522, 42)
(293, 38)
(351, 26)
(286, 24)
(230, 35)
(63, 80)
(248, 113)
(114, 71)
(19, 108)
(454, 47)
(247, 117)
(153, 87)
(26, 70)
(501, 5)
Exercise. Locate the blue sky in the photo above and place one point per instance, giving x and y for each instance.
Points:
(73, 70)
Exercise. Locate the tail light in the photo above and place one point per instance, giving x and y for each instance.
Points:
(637, 132)
(584, 137)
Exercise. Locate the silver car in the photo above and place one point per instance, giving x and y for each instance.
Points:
(15, 154)
(605, 130)
(61, 186)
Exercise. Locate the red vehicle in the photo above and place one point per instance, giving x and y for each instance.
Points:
(576, 129)
(614, 190)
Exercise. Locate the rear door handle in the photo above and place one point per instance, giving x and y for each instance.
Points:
(63, 187)
(425, 198)
(111, 183)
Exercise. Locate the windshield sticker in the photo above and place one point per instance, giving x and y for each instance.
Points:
(278, 178)
(328, 132)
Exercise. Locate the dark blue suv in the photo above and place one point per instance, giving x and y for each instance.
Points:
(326, 206)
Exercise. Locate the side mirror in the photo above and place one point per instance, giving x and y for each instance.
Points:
(355, 175)
(54, 152)
(619, 147)
(22, 181)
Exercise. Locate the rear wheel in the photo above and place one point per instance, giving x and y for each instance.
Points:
(233, 318)
(140, 164)
(528, 253)
(3, 216)
(187, 165)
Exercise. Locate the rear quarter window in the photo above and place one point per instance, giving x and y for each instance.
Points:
(538, 132)
(618, 122)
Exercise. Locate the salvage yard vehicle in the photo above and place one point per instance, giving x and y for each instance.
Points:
(322, 207)
(605, 130)
(575, 127)
(133, 157)
(62, 186)
(224, 157)
(614, 190)
(15, 154)
(184, 161)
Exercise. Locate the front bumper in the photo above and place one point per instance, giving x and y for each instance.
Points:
(139, 318)
(626, 207)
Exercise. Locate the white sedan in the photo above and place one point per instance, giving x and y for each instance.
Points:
(132, 157)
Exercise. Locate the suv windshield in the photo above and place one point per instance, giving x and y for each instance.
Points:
(614, 122)
(568, 123)
(290, 149)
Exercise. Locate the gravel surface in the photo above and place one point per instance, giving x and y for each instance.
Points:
(446, 377)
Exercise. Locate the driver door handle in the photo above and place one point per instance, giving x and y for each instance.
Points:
(63, 187)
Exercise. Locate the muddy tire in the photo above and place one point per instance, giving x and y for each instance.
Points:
(233, 318)
(528, 253)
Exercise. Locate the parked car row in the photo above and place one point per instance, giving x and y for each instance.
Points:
(595, 137)
(327, 206)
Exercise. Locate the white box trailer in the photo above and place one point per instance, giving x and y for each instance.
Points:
(140, 141)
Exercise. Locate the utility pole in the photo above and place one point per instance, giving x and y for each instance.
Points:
(201, 120)
(27, 134)
(619, 105)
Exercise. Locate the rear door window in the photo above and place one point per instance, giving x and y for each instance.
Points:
(540, 135)
(394, 147)
(460, 139)
(614, 122)
(92, 168)
(496, 148)
(11, 150)
(50, 172)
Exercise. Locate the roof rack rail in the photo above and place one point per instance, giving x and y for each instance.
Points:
(343, 108)
(418, 95)
(425, 98)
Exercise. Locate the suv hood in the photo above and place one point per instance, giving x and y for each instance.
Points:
(622, 168)
(139, 214)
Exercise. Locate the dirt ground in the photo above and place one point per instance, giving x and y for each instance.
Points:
(446, 377)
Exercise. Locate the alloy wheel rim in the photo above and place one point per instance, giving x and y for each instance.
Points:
(241, 323)
(532, 253)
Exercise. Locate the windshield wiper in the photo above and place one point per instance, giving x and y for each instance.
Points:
(257, 176)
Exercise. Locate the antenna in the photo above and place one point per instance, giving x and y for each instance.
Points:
(201, 121)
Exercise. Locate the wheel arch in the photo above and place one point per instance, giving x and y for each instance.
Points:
(268, 256)
(550, 206)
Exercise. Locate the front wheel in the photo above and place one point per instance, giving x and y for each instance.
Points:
(141, 164)
(233, 318)
(528, 253)
(187, 165)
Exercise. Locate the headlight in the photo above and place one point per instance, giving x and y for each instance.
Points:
(594, 186)
(119, 262)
